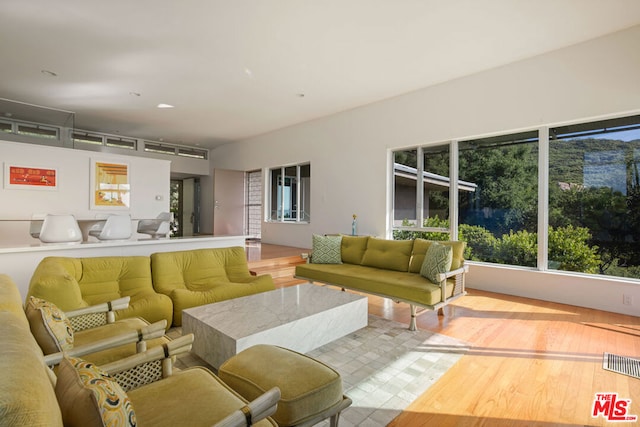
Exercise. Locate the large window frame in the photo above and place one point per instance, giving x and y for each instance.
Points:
(545, 134)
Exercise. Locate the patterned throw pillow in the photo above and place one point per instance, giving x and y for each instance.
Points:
(326, 249)
(437, 260)
(49, 325)
(89, 397)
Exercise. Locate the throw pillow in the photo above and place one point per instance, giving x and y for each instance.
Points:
(437, 260)
(326, 249)
(49, 325)
(88, 396)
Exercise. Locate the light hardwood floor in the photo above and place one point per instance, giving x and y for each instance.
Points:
(531, 362)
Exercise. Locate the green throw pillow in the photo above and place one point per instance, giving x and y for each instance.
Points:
(326, 250)
(437, 260)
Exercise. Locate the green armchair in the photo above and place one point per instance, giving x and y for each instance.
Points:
(203, 276)
(91, 332)
(74, 283)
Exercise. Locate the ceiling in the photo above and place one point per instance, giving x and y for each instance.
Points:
(233, 69)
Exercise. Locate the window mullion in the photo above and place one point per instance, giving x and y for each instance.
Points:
(420, 187)
(284, 181)
(543, 198)
(453, 190)
(298, 182)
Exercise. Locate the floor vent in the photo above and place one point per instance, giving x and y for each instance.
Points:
(622, 365)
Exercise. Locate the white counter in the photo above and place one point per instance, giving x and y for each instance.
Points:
(19, 262)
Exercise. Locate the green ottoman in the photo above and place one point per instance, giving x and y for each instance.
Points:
(310, 390)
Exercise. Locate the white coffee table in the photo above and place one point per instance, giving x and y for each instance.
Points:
(301, 318)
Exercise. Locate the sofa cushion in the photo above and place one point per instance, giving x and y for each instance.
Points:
(49, 325)
(437, 260)
(56, 280)
(112, 330)
(219, 291)
(388, 254)
(420, 247)
(11, 300)
(352, 248)
(159, 404)
(196, 269)
(108, 278)
(88, 396)
(313, 389)
(326, 249)
(397, 285)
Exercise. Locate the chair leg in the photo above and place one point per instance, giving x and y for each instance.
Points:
(412, 325)
(334, 420)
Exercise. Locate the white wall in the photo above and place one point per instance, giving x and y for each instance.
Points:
(349, 151)
(148, 177)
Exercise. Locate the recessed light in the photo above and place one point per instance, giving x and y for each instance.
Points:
(165, 106)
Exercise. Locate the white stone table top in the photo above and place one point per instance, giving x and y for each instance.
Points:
(241, 317)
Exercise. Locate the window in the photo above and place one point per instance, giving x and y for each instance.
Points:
(6, 126)
(39, 131)
(594, 197)
(86, 138)
(194, 153)
(499, 218)
(290, 187)
(94, 138)
(421, 210)
(153, 147)
(118, 142)
(591, 203)
(175, 150)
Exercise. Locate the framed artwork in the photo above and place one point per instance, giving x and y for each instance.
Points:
(110, 187)
(21, 177)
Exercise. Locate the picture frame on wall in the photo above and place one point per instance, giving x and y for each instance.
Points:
(27, 177)
(110, 185)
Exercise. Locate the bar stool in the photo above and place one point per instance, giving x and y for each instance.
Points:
(60, 229)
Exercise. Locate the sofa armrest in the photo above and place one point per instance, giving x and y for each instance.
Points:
(256, 410)
(444, 276)
(149, 366)
(166, 351)
(96, 315)
(152, 331)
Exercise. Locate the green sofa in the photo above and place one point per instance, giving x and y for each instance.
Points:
(27, 396)
(391, 269)
(160, 286)
(202, 276)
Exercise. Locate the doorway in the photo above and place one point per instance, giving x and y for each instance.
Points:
(185, 206)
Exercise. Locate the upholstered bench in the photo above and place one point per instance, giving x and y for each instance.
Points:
(310, 390)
